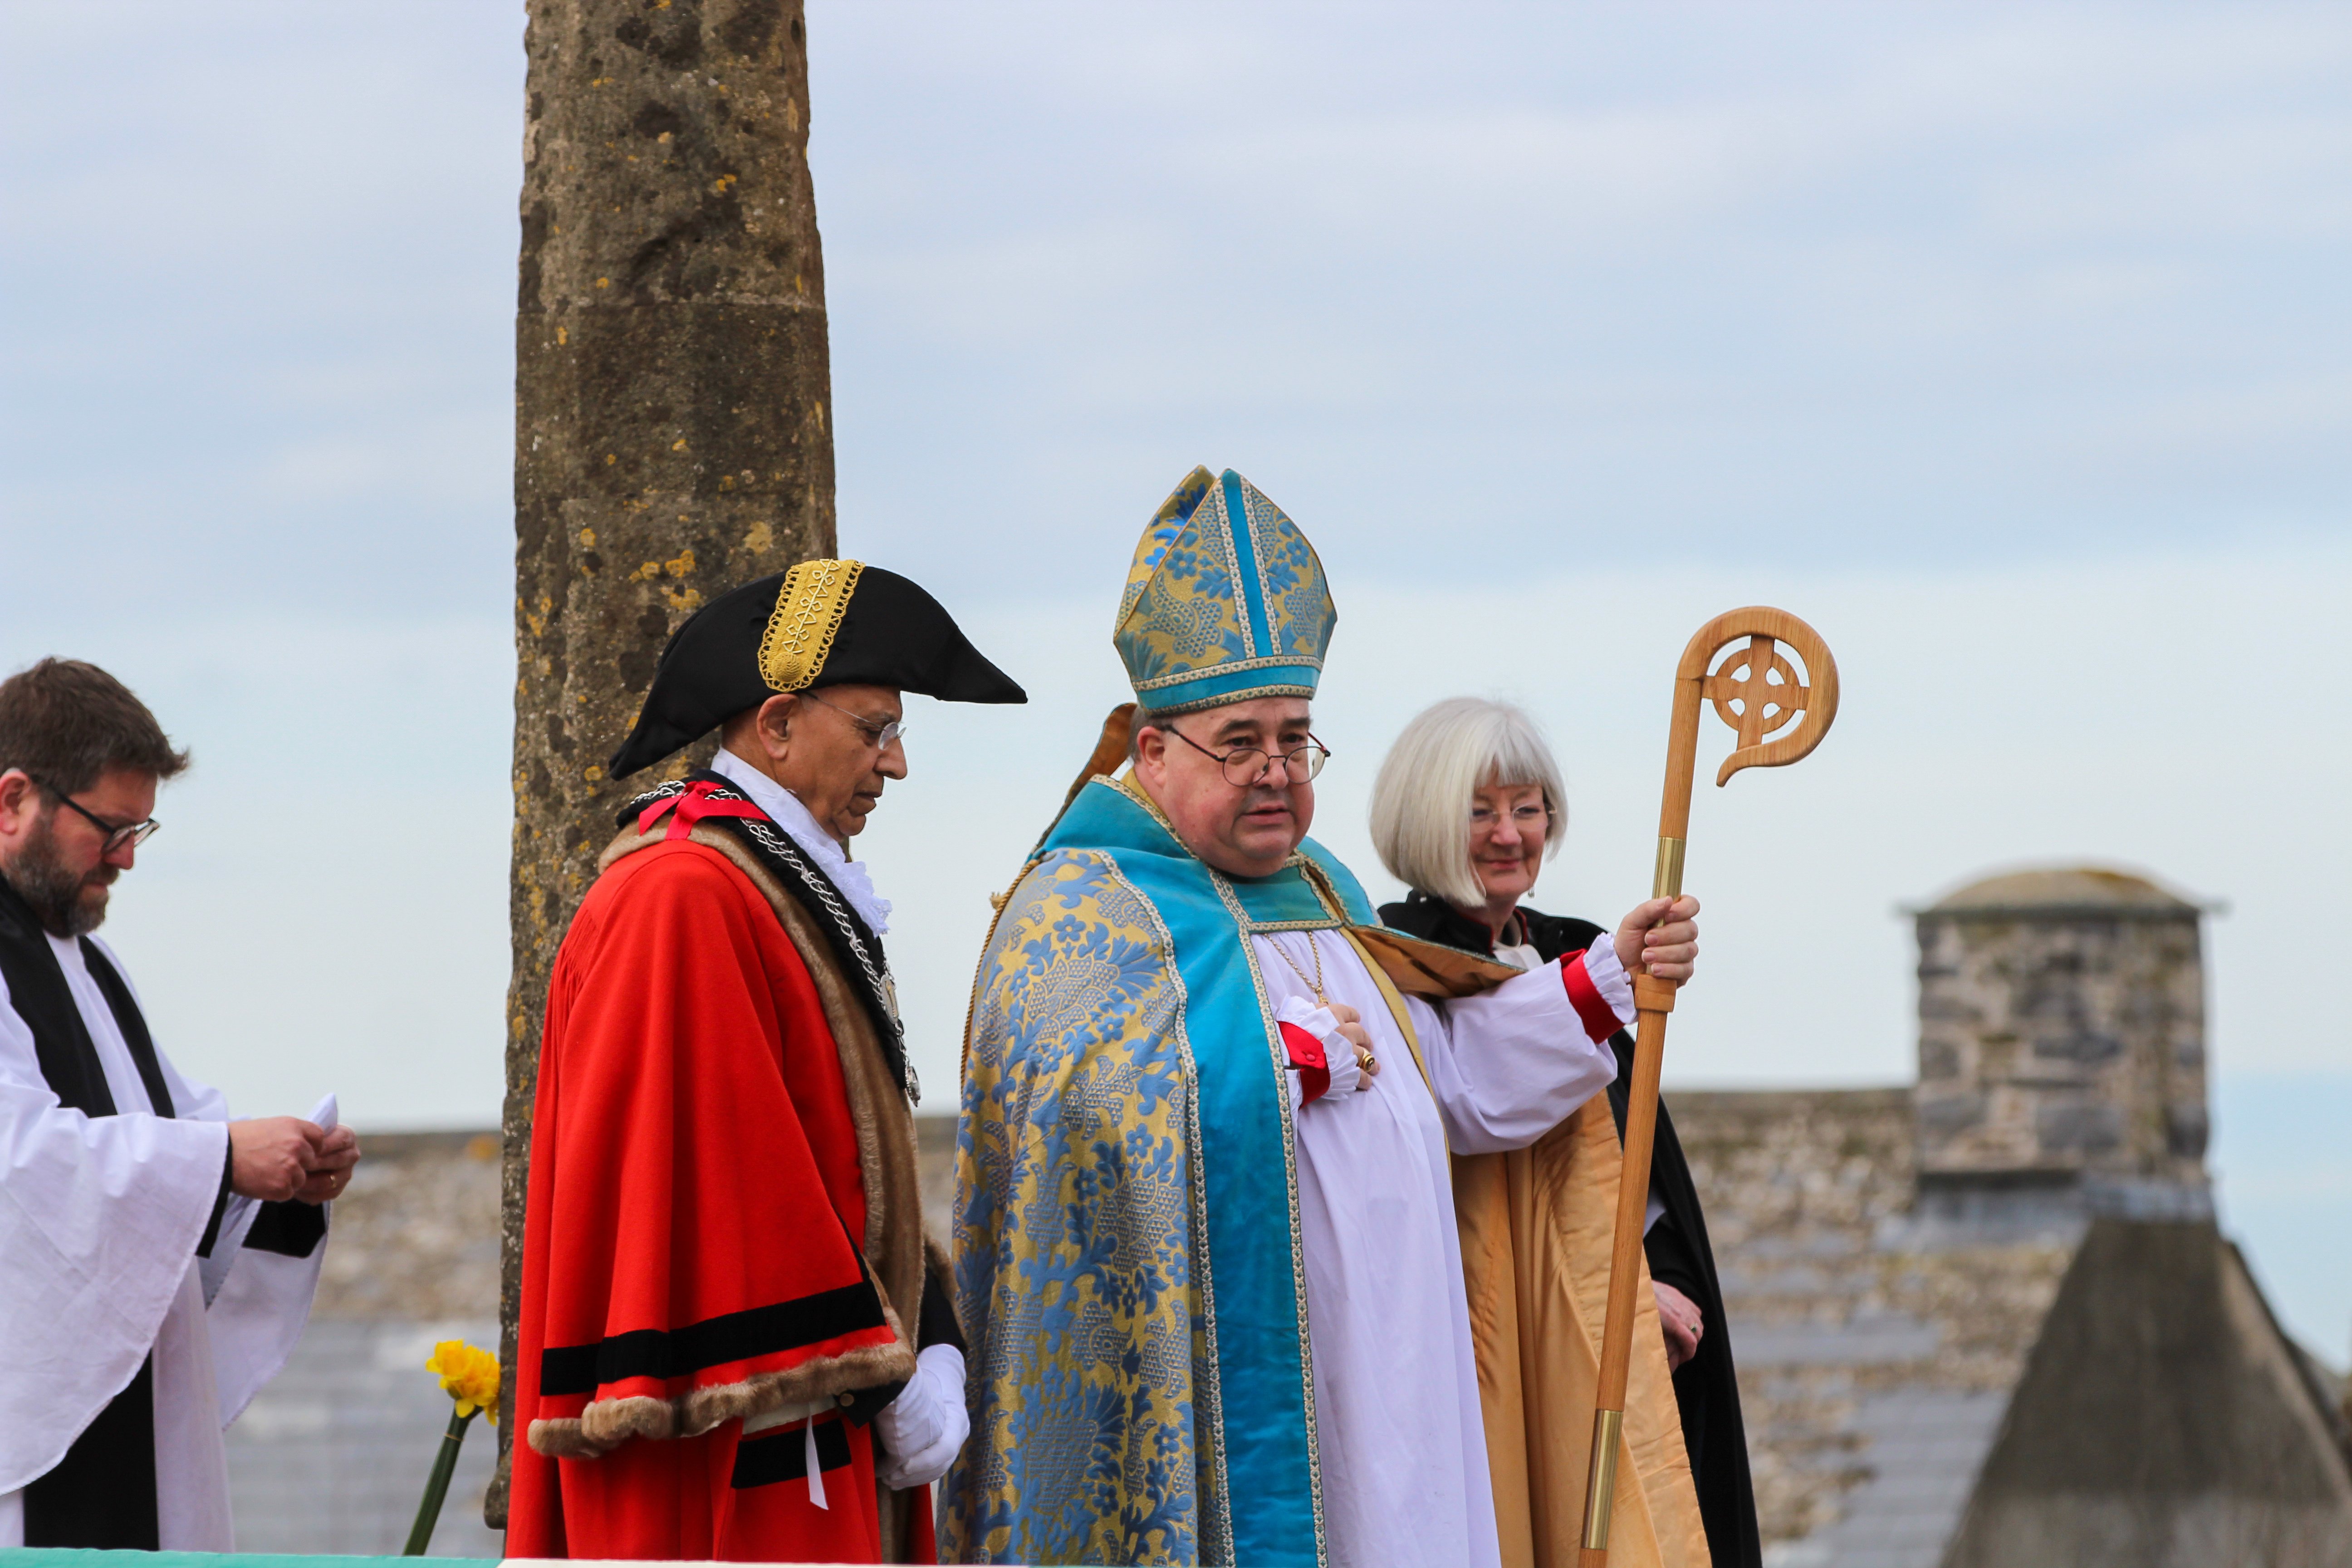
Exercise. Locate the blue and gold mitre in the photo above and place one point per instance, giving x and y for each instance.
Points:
(1225, 601)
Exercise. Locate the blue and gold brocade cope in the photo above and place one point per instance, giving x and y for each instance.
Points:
(1225, 601)
(1128, 1270)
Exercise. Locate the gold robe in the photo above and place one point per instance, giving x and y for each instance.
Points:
(1537, 1224)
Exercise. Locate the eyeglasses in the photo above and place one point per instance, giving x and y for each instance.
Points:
(1522, 816)
(133, 834)
(879, 736)
(1248, 764)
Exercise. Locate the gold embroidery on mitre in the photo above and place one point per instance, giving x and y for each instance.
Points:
(809, 608)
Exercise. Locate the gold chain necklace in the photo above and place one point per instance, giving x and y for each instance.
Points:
(1317, 953)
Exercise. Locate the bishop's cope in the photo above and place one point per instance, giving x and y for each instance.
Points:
(1220, 1148)
(734, 1339)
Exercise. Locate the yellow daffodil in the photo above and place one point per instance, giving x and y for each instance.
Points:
(469, 1375)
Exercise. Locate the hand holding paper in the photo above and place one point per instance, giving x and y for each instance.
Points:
(333, 1155)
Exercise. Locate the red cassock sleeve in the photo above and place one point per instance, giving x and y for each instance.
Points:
(694, 1205)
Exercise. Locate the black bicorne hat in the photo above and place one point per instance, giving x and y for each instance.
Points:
(822, 623)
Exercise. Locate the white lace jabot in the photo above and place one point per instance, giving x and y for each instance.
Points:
(785, 810)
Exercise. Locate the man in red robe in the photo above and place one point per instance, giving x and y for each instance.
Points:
(735, 1340)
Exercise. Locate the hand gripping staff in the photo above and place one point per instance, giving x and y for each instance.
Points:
(1757, 693)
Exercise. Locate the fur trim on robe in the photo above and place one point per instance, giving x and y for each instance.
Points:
(894, 1245)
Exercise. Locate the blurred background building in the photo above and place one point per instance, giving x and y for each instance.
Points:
(1988, 1322)
(1984, 1322)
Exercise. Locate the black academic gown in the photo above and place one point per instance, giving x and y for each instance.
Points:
(1706, 1388)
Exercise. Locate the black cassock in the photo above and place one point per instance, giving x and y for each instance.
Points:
(1706, 1388)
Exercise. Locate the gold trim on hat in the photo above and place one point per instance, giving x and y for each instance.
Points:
(800, 630)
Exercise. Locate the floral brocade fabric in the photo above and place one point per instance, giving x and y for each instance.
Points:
(1224, 600)
(1075, 1240)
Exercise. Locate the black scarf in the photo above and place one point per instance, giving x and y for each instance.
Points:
(856, 950)
(1707, 1388)
(102, 1493)
(38, 992)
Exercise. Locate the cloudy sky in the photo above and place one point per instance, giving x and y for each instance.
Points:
(2008, 346)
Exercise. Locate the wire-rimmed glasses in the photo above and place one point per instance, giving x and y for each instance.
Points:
(1246, 766)
(1526, 818)
(879, 736)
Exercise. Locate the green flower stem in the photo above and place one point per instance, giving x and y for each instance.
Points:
(437, 1486)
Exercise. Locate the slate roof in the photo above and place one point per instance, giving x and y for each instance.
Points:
(2004, 1383)
(1873, 1370)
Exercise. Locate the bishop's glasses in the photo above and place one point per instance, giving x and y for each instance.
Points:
(1248, 765)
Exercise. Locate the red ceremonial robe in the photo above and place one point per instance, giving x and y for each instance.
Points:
(700, 1249)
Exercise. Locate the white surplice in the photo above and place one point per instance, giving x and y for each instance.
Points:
(1401, 1442)
(99, 1221)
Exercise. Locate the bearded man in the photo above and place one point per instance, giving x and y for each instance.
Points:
(157, 1259)
(1205, 1238)
(734, 1342)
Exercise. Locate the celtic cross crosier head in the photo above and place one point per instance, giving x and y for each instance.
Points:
(1756, 690)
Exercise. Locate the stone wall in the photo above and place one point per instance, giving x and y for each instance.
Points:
(416, 1236)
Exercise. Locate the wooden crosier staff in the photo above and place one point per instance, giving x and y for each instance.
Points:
(1757, 693)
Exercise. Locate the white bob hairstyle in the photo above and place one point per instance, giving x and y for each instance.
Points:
(1422, 800)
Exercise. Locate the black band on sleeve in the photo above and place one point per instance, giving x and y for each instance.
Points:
(866, 1404)
(936, 1324)
(290, 1229)
(220, 1202)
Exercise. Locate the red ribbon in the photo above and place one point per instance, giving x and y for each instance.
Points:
(691, 807)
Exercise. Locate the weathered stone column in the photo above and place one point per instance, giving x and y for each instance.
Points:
(671, 442)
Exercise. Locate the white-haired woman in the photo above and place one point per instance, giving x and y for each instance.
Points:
(1467, 806)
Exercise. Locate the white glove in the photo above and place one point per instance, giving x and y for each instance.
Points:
(923, 1429)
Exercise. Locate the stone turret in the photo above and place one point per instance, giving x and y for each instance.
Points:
(2062, 1042)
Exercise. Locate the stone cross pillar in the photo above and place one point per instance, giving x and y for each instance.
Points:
(2062, 1035)
(671, 383)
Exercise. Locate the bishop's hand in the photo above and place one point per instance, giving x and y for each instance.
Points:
(1360, 1040)
(1661, 935)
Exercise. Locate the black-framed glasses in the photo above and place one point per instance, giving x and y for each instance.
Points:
(1247, 765)
(879, 736)
(117, 833)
